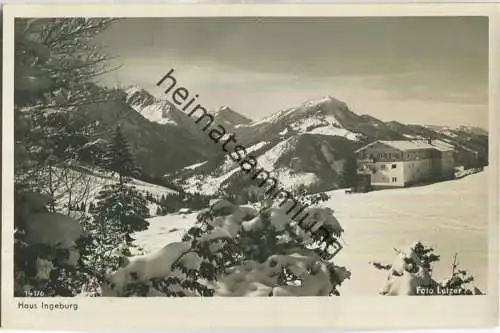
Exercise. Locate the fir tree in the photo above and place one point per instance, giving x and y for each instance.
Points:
(119, 159)
(91, 207)
(349, 172)
(121, 210)
(459, 280)
(56, 64)
(214, 260)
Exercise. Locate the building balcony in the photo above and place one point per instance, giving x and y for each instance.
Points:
(366, 160)
(365, 170)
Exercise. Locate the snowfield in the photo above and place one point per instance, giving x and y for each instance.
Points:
(83, 186)
(450, 216)
(164, 230)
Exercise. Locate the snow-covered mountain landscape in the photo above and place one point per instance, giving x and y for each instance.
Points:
(120, 192)
(303, 147)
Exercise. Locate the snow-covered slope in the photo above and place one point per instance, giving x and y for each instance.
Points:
(301, 161)
(445, 130)
(230, 118)
(164, 112)
(303, 146)
(149, 107)
(82, 185)
(322, 116)
(325, 116)
(306, 146)
(158, 148)
(456, 131)
(450, 216)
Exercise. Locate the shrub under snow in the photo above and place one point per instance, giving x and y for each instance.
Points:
(45, 244)
(237, 251)
(411, 275)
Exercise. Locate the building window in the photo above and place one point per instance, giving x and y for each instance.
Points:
(382, 167)
(394, 179)
(394, 166)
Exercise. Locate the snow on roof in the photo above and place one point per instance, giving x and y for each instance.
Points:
(442, 145)
(405, 145)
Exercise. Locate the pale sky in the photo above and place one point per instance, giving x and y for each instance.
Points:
(413, 70)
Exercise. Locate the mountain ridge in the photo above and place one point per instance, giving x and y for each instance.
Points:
(304, 146)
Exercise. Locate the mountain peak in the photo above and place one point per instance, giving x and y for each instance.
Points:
(231, 116)
(325, 105)
(225, 108)
(328, 100)
(139, 96)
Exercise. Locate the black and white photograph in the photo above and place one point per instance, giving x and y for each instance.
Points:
(248, 156)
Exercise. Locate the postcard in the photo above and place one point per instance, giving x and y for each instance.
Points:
(173, 166)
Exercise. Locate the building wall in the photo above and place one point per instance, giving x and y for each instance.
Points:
(404, 173)
(384, 174)
(390, 167)
(419, 170)
(381, 153)
(447, 165)
(416, 155)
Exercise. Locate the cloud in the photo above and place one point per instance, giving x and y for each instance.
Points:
(261, 65)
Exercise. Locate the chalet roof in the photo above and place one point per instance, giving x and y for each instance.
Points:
(406, 145)
(442, 146)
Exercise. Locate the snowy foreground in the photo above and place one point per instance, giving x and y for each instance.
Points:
(450, 216)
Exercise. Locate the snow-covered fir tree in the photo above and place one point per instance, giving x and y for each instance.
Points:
(239, 250)
(120, 209)
(118, 157)
(411, 274)
(55, 63)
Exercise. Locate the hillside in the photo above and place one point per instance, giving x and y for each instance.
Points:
(306, 146)
(81, 185)
(157, 147)
(449, 216)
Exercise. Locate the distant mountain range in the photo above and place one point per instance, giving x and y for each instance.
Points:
(304, 146)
